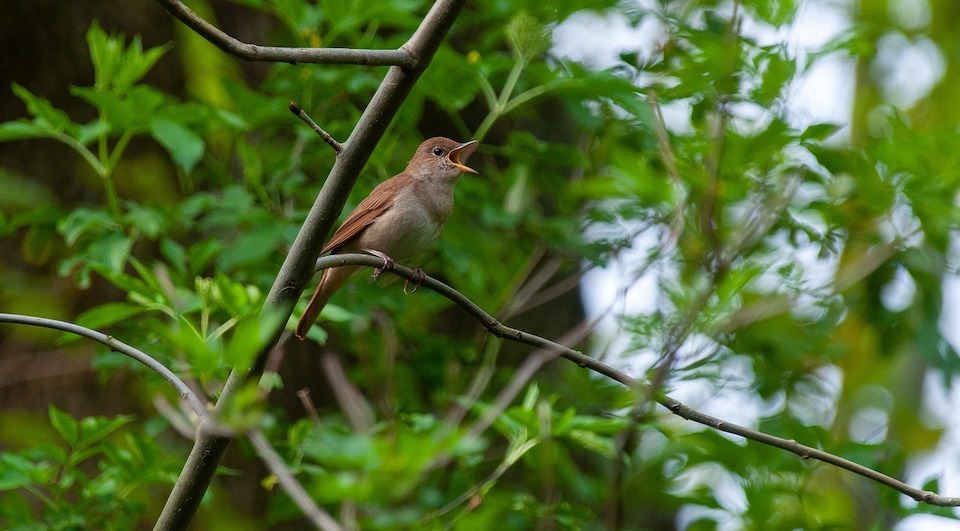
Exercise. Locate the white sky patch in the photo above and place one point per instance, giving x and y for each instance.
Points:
(824, 94)
(926, 522)
(676, 116)
(950, 315)
(596, 39)
(939, 412)
(907, 69)
(910, 14)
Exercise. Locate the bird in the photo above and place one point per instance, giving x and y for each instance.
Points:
(401, 218)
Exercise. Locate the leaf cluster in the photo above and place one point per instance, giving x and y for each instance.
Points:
(759, 253)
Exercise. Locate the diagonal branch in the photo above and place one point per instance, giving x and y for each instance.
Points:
(117, 346)
(298, 266)
(677, 408)
(320, 518)
(281, 54)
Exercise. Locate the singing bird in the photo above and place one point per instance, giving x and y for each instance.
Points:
(400, 219)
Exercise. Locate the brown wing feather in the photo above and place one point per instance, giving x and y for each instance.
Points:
(375, 204)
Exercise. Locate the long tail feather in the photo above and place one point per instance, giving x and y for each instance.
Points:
(330, 282)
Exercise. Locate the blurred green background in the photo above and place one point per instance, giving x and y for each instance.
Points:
(792, 270)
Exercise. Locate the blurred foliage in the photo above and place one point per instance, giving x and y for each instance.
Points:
(49, 486)
(794, 270)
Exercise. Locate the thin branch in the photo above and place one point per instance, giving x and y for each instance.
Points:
(524, 374)
(175, 417)
(561, 287)
(117, 346)
(670, 162)
(320, 518)
(308, 405)
(351, 401)
(297, 110)
(531, 281)
(483, 373)
(473, 493)
(498, 329)
(298, 265)
(386, 397)
(251, 52)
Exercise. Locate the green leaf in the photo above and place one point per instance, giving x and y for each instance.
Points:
(174, 253)
(778, 73)
(115, 66)
(38, 244)
(591, 441)
(47, 116)
(185, 146)
(94, 429)
(16, 471)
(204, 354)
(132, 110)
(774, 12)
(23, 129)
(83, 222)
(819, 131)
(600, 425)
(65, 425)
(235, 297)
(150, 221)
(111, 250)
(254, 246)
(91, 131)
(316, 334)
(245, 342)
(202, 253)
(108, 314)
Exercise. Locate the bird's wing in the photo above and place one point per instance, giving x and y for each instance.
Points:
(379, 201)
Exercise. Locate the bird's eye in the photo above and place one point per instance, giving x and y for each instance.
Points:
(437, 151)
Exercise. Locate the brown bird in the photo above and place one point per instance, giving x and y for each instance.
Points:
(401, 217)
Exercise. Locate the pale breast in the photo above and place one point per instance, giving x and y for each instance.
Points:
(411, 225)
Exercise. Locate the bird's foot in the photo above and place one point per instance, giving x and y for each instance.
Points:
(419, 277)
(388, 263)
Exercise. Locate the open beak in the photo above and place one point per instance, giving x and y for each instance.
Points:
(459, 154)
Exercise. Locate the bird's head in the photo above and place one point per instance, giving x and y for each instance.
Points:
(441, 157)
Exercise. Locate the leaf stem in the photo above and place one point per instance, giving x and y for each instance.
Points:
(498, 105)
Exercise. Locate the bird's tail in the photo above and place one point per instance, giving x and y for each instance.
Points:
(330, 282)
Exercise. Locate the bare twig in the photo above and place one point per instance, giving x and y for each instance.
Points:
(563, 286)
(482, 374)
(321, 519)
(297, 110)
(351, 401)
(402, 58)
(523, 374)
(175, 417)
(308, 405)
(670, 162)
(677, 408)
(532, 281)
(386, 397)
(117, 346)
